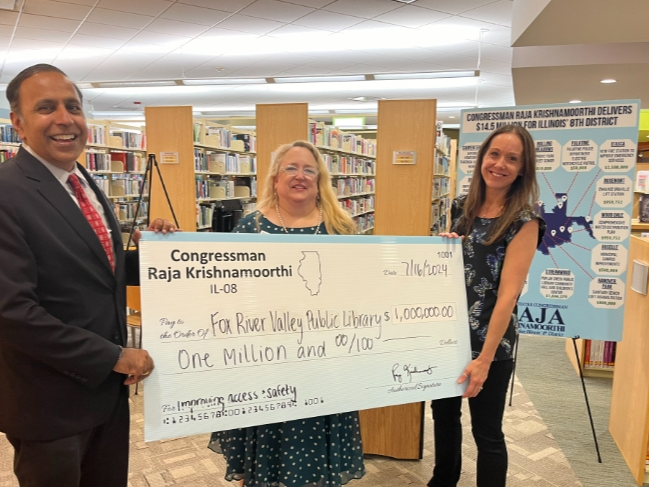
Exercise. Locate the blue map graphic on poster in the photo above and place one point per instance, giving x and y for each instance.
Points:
(560, 226)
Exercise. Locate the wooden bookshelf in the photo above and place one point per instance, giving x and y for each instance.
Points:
(351, 160)
(629, 416)
(224, 167)
(408, 125)
(587, 371)
(115, 157)
(170, 129)
(9, 140)
(278, 124)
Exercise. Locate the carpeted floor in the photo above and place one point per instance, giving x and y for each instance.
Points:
(547, 430)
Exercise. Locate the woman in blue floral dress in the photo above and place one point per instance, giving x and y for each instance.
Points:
(325, 451)
(501, 232)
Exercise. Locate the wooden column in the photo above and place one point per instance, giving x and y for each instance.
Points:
(404, 192)
(170, 129)
(629, 419)
(278, 124)
(403, 207)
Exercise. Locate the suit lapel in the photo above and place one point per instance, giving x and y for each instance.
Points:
(52, 190)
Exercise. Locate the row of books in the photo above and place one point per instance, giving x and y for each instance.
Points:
(358, 205)
(441, 165)
(125, 211)
(599, 354)
(96, 135)
(642, 181)
(223, 137)
(224, 163)
(331, 137)
(225, 188)
(131, 140)
(364, 223)
(439, 215)
(7, 153)
(9, 134)
(339, 164)
(204, 215)
(352, 186)
(441, 187)
(119, 184)
(115, 161)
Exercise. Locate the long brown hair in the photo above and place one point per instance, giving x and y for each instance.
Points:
(522, 195)
(336, 220)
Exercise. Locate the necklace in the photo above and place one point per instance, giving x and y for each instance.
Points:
(281, 221)
(488, 210)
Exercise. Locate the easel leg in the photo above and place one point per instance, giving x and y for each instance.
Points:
(511, 392)
(583, 386)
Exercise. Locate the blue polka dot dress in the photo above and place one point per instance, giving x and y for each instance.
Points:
(317, 452)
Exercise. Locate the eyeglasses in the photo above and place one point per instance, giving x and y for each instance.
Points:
(308, 172)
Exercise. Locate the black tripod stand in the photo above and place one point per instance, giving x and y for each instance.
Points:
(148, 178)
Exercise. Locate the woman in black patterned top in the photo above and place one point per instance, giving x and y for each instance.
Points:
(324, 451)
(501, 232)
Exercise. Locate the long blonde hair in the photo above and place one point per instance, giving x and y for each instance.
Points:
(522, 195)
(336, 220)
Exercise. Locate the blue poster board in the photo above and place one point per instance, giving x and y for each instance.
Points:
(585, 161)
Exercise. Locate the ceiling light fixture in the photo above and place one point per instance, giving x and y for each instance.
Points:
(574, 101)
(132, 84)
(224, 81)
(608, 81)
(405, 1)
(427, 75)
(320, 79)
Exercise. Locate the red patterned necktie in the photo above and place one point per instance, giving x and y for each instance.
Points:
(93, 217)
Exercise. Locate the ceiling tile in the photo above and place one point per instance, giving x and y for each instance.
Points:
(8, 18)
(499, 13)
(4, 40)
(328, 21)
(251, 25)
(170, 42)
(48, 23)
(454, 7)
(292, 29)
(6, 30)
(89, 3)
(142, 7)
(184, 29)
(216, 32)
(51, 8)
(123, 19)
(196, 15)
(95, 41)
(52, 47)
(310, 3)
(224, 5)
(410, 16)
(76, 52)
(41, 34)
(362, 8)
(121, 66)
(104, 30)
(274, 10)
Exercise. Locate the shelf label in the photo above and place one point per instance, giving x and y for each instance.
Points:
(404, 157)
(169, 158)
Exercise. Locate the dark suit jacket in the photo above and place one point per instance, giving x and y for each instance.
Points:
(62, 310)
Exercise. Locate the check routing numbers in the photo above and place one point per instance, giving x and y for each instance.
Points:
(356, 332)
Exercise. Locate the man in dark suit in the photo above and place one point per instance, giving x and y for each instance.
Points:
(63, 276)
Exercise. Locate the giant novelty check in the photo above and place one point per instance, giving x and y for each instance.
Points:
(249, 329)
